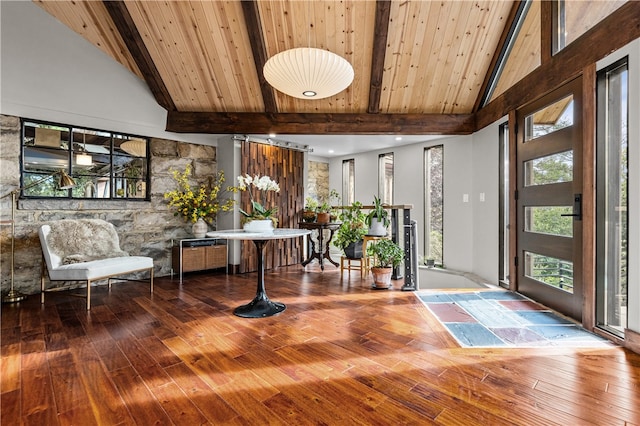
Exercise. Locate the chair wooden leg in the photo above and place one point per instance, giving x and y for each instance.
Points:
(88, 295)
(349, 267)
(151, 279)
(42, 278)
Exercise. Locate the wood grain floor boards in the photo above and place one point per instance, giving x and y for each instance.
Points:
(340, 354)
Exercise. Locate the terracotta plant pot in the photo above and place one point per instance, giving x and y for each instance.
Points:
(323, 218)
(382, 277)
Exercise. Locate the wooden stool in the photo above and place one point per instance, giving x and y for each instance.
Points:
(360, 265)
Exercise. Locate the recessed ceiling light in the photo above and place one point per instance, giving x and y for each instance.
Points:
(272, 135)
(331, 151)
(398, 138)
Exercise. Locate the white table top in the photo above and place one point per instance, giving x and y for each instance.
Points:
(240, 234)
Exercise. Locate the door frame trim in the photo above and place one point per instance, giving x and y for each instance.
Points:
(589, 81)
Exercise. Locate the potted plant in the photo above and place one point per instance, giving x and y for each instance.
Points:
(385, 255)
(334, 200)
(198, 204)
(309, 212)
(323, 214)
(348, 236)
(260, 218)
(378, 219)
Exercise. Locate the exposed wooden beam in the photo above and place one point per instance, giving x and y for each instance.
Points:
(256, 38)
(547, 25)
(595, 44)
(129, 33)
(320, 123)
(383, 10)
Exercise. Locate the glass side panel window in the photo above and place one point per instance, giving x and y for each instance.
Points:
(549, 119)
(385, 178)
(548, 270)
(522, 54)
(100, 162)
(549, 220)
(574, 18)
(504, 204)
(554, 168)
(434, 203)
(348, 181)
(612, 213)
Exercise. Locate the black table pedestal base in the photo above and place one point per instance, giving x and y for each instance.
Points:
(260, 306)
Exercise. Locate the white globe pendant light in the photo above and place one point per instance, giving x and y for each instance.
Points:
(308, 73)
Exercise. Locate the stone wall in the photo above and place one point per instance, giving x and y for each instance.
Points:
(145, 228)
(318, 180)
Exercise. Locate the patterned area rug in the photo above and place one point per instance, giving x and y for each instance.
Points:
(499, 318)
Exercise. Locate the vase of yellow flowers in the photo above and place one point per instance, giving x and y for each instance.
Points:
(198, 204)
(261, 218)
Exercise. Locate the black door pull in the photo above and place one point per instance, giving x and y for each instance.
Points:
(577, 207)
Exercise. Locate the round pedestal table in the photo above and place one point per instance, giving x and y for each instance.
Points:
(260, 306)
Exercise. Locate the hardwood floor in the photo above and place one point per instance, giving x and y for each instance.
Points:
(340, 354)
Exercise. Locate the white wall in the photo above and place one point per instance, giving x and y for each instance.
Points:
(42, 59)
(228, 159)
(409, 189)
(486, 220)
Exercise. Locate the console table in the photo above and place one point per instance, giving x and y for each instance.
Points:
(260, 306)
(197, 254)
(323, 248)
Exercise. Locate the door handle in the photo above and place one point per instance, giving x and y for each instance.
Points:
(577, 207)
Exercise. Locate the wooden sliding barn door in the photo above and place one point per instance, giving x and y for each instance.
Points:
(285, 166)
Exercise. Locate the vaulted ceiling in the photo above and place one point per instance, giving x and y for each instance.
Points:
(421, 67)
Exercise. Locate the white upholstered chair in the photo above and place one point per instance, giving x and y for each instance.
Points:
(86, 250)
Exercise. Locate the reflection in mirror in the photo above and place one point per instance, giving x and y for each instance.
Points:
(100, 162)
(549, 119)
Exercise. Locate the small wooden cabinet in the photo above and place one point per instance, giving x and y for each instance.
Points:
(198, 255)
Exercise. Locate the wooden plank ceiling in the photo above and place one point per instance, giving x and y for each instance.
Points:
(419, 66)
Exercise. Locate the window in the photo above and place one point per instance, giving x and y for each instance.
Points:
(504, 204)
(549, 270)
(348, 181)
(574, 18)
(434, 203)
(612, 176)
(522, 36)
(551, 118)
(104, 165)
(385, 178)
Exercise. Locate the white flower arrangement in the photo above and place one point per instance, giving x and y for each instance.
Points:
(261, 183)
